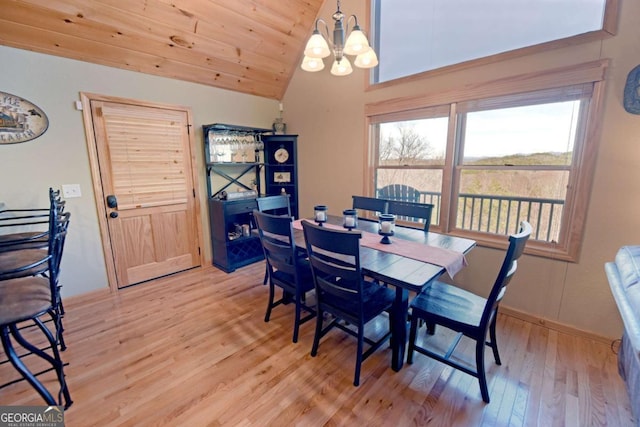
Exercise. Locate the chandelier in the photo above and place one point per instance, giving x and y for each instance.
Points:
(356, 44)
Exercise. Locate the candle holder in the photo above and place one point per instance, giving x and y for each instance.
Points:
(320, 214)
(350, 219)
(387, 225)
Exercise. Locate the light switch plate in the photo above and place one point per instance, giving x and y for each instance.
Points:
(71, 190)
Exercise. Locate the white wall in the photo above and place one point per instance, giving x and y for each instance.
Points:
(60, 156)
(328, 113)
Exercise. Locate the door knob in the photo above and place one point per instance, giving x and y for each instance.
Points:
(113, 214)
(112, 202)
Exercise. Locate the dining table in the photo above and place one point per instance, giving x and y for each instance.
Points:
(407, 266)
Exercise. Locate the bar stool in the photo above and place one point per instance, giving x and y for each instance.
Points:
(24, 246)
(28, 290)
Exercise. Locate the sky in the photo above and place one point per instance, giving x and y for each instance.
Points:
(428, 34)
(496, 133)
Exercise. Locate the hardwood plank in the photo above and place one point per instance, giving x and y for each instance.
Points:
(12, 34)
(251, 46)
(193, 349)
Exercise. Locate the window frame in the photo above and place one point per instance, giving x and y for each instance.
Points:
(589, 75)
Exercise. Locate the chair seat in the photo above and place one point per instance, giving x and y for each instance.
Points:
(40, 235)
(26, 240)
(449, 303)
(305, 277)
(23, 298)
(13, 260)
(375, 299)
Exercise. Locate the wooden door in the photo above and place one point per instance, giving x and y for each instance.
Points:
(148, 191)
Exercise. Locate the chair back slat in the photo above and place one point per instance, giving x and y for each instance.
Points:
(26, 231)
(279, 205)
(415, 212)
(371, 204)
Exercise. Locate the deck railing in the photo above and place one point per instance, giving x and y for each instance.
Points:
(502, 214)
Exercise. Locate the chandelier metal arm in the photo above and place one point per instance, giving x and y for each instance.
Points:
(355, 18)
(326, 28)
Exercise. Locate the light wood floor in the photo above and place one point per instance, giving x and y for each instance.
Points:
(194, 350)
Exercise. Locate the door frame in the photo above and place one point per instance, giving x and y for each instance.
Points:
(96, 178)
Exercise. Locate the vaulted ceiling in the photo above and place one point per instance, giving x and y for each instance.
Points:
(249, 46)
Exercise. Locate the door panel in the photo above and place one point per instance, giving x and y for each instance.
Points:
(145, 162)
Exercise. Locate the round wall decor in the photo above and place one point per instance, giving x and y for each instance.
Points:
(632, 91)
(20, 120)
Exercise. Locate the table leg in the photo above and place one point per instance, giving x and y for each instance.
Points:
(399, 333)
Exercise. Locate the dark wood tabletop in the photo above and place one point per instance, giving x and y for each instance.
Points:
(405, 274)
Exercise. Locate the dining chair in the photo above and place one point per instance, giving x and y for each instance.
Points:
(342, 291)
(414, 212)
(371, 204)
(466, 313)
(275, 205)
(27, 297)
(286, 269)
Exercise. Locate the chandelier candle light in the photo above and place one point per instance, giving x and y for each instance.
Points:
(387, 223)
(356, 44)
(320, 214)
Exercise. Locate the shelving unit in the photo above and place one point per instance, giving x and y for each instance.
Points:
(281, 167)
(233, 169)
(232, 165)
(231, 249)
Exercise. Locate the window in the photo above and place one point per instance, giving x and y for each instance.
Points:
(414, 36)
(489, 163)
(412, 154)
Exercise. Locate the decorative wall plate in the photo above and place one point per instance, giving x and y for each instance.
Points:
(632, 91)
(20, 120)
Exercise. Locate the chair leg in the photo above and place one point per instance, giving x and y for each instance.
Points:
(412, 338)
(62, 312)
(494, 343)
(356, 377)
(272, 292)
(56, 363)
(22, 369)
(431, 328)
(56, 316)
(316, 336)
(482, 377)
(266, 275)
(296, 320)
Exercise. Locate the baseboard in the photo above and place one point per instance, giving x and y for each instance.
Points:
(553, 325)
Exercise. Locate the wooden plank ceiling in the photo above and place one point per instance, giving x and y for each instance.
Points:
(249, 46)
